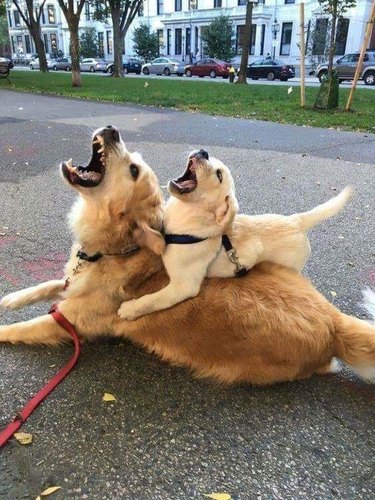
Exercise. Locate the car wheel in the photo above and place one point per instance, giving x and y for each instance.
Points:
(188, 73)
(212, 74)
(322, 76)
(146, 71)
(67, 68)
(369, 78)
(92, 69)
(201, 76)
(126, 71)
(270, 76)
(167, 72)
(31, 67)
(54, 67)
(254, 78)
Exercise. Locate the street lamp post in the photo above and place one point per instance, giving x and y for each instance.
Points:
(275, 30)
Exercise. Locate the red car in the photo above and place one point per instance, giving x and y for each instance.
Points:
(208, 67)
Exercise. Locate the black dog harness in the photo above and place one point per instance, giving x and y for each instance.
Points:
(187, 239)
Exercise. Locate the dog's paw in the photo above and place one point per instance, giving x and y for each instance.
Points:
(12, 300)
(129, 311)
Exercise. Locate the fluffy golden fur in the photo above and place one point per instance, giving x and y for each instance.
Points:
(269, 326)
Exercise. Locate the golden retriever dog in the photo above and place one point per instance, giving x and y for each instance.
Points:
(203, 206)
(269, 326)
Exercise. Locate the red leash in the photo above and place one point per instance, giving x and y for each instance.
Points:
(24, 414)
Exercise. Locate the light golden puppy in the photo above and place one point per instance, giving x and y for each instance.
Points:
(269, 326)
(202, 208)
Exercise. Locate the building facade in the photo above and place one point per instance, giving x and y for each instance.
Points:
(181, 23)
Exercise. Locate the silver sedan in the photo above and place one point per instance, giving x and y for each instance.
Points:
(93, 65)
(164, 66)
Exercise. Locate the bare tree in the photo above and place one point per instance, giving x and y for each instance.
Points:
(31, 15)
(246, 43)
(122, 13)
(72, 18)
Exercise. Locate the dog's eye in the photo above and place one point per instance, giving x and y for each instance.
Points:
(134, 170)
(219, 175)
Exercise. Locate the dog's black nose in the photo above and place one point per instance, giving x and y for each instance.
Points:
(201, 152)
(112, 133)
(109, 126)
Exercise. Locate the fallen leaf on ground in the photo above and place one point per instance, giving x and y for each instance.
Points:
(218, 496)
(341, 237)
(49, 491)
(146, 84)
(290, 90)
(23, 437)
(108, 397)
(351, 264)
(358, 218)
(333, 293)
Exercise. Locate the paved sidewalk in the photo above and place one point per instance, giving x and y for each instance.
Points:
(168, 436)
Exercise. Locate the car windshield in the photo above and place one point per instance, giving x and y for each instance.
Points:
(278, 62)
(176, 61)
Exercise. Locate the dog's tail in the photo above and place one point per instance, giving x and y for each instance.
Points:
(356, 340)
(326, 210)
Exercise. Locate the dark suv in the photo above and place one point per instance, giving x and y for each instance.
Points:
(347, 65)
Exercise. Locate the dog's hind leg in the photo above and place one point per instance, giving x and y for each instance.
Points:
(44, 291)
(42, 330)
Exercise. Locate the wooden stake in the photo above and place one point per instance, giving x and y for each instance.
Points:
(366, 39)
(302, 49)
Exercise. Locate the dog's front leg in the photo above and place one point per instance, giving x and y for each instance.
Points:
(42, 330)
(44, 291)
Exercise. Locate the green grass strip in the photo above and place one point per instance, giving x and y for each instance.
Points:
(259, 102)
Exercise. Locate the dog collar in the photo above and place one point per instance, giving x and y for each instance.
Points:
(98, 255)
(182, 239)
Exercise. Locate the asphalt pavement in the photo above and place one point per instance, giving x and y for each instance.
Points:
(168, 436)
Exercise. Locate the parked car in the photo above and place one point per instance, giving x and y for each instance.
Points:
(92, 65)
(164, 66)
(7, 62)
(208, 67)
(62, 63)
(130, 65)
(347, 65)
(271, 69)
(35, 64)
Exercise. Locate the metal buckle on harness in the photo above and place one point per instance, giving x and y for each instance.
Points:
(240, 269)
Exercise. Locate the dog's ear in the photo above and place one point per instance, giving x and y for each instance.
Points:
(226, 211)
(145, 236)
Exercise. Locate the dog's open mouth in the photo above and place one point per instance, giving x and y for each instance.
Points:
(93, 174)
(187, 183)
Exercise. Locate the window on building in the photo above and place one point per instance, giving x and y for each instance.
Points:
(141, 10)
(178, 41)
(45, 40)
(160, 34)
(286, 39)
(177, 5)
(217, 4)
(17, 20)
(239, 38)
(169, 36)
(320, 36)
(193, 4)
(87, 11)
(196, 48)
(27, 44)
(12, 39)
(289, 1)
(42, 17)
(53, 39)
(160, 7)
(262, 35)
(9, 19)
(109, 42)
(101, 44)
(51, 14)
(241, 2)
(20, 44)
(342, 35)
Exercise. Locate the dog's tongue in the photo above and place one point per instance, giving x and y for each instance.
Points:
(188, 184)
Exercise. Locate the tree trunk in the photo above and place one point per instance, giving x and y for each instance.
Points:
(332, 42)
(246, 44)
(118, 43)
(39, 46)
(74, 51)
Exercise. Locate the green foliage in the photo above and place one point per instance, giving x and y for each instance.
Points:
(338, 7)
(328, 95)
(88, 43)
(2, 8)
(4, 37)
(146, 43)
(218, 39)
